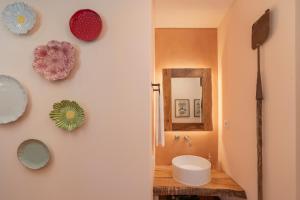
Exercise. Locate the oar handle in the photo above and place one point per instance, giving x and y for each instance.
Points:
(259, 90)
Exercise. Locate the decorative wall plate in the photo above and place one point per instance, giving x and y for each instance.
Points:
(33, 154)
(19, 18)
(86, 24)
(67, 115)
(55, 60)
(13, 99)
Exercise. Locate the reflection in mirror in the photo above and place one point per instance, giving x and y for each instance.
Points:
(186, 100)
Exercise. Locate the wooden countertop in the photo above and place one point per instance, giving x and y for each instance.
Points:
(221, 185)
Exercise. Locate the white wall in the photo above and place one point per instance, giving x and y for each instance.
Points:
(110, 156)
(238, 74)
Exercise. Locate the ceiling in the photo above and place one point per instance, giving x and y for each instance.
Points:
(189, 13)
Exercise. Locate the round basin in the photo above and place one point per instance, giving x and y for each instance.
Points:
(191, 170)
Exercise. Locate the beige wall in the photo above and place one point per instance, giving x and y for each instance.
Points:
(189, 13)
(110, 156)
(238, 64)
(298, 92)
(188, 48)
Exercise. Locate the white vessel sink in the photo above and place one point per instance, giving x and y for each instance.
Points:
(191, 170)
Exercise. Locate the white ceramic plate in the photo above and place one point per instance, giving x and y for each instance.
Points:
(13, 99)
(19, 18)
(33, 154)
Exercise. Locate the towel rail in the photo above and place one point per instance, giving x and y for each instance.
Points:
(156, 87)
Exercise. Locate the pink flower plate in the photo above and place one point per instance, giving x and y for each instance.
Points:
(55, 60)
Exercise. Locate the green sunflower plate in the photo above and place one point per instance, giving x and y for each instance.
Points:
(67, 115)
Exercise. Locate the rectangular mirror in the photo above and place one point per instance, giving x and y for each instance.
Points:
(187, 99)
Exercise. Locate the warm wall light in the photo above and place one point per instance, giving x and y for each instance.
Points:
(220, 115)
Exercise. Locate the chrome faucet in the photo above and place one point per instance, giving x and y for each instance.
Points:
(176, 138)
(188, 140)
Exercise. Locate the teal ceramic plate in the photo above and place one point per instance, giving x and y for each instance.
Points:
(33, 154)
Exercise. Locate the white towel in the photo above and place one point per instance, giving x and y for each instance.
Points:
(160, 128)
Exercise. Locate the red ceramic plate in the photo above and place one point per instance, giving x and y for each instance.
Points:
(86, 24)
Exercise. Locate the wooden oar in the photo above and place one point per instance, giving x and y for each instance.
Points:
(260, 33)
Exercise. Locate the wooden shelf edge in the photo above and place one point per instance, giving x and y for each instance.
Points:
(166, 191)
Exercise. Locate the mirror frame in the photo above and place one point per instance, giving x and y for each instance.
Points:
(205, 75)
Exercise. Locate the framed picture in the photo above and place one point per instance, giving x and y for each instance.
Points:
(182, 108)
(197, 107)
